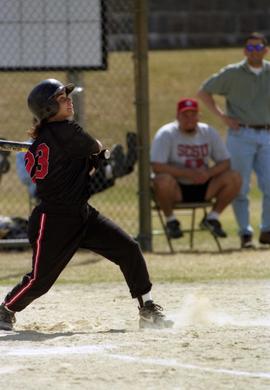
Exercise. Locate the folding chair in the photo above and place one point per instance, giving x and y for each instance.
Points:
(192, 207)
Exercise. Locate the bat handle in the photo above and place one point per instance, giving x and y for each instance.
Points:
(105, 154)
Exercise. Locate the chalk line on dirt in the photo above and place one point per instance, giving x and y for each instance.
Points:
(103, 350)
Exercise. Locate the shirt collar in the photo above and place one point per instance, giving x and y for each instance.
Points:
(244, 65)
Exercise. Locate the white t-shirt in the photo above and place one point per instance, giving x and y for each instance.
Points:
(171, 146)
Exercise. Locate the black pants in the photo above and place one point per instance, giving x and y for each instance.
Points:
(55, 236)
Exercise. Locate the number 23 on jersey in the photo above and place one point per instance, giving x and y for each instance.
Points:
(37, 165)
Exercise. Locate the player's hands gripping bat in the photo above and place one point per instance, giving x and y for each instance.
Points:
(97, 159)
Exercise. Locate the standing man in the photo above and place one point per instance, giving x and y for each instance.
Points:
(180, 156)
(246, 89)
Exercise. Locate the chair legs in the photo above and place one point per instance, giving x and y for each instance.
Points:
(163, 224)
(212, 234)
(191, 236)
(192, 229)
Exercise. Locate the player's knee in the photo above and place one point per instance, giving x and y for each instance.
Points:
(135, 246)
(42, 289)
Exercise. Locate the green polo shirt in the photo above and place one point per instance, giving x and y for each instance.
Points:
(247, 94)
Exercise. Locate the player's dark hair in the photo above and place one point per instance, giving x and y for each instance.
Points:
(257, 35)
(33, 132)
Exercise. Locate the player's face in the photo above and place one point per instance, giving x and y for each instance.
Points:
(65, 107)
(188, 121)
(255, 50)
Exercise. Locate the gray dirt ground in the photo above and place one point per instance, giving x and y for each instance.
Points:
(87, 337)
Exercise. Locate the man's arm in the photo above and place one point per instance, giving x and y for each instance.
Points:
(194, 175)
(219, 168)
(203, 174)
(211, 104)
(172, 170)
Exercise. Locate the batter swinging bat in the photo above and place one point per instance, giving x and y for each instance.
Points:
(14, 146)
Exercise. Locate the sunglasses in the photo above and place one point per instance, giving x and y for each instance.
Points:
(251, 48)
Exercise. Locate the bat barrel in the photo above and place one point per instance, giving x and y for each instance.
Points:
(14, 146)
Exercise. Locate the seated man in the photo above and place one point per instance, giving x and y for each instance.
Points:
(180, 156)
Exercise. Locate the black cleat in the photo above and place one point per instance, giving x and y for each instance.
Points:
(132, 152)
(151, 317)
(123, 163)
(214, 226)
(118, 160)
(264, 238)
(174, 229)
(7, 318)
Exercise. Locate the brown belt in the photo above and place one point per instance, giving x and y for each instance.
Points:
(256, 127)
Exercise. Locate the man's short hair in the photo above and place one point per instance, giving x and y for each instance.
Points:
(257, 35)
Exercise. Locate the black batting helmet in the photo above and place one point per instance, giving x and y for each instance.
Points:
(41, 100)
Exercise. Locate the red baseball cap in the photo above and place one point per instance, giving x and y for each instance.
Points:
(187, 104)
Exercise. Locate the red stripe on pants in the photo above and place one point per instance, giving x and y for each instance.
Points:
(36, 263)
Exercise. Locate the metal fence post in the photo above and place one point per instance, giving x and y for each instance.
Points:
(76, 77)
(142, 117)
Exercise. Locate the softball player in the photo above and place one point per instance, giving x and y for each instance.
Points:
(59, 162)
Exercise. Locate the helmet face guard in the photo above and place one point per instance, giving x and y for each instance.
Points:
(42, 99)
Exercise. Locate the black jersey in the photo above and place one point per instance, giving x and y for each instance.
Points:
(58, 162)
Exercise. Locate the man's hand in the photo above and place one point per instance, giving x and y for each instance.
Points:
(210, 103)
(200, 176)
(230, 122)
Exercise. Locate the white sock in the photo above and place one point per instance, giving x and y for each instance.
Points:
(147, 297)
(9, 310)
(213, 215)
(172, 217)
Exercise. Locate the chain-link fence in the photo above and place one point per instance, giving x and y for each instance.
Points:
(65, 30)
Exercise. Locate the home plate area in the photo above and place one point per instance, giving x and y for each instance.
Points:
(220, 339)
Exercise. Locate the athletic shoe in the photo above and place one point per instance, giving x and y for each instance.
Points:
(214, 226)
(246, 241)
(174, 229)
(7, 318)
(151, 317)
(264, 238)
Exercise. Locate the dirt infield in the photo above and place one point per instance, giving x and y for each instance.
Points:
(87, 337)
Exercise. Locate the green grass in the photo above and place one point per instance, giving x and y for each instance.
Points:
(110, 113)
(176, 74)
(184, 267)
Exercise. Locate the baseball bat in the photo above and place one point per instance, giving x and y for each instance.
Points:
(14, 146)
